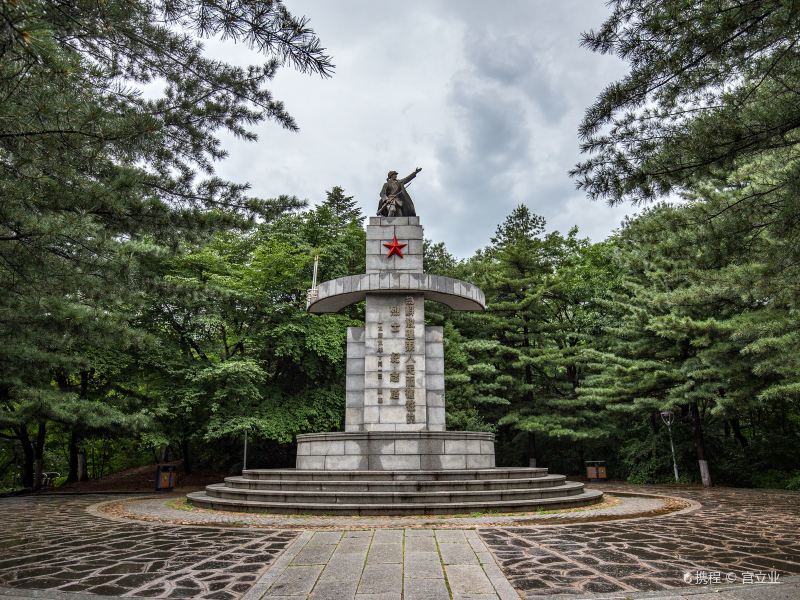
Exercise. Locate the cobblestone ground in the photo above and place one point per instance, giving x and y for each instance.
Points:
(736, 531)
(53, 543)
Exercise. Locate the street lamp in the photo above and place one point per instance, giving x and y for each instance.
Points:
(244, 459)
(668, 417)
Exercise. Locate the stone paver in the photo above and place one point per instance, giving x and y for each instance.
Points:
(52, 543)
(385, 553)
(315, 555)
(425, 589)
(388, 536)
(334, 589)
(735, 531)
(466, 579)
(380, 579)
(458, 554)
(325, 537)
(419, 543)
(383, 564)
(296, 580)
(423, 565)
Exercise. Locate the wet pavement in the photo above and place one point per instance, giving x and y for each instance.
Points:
(51, 542)
(738, 536)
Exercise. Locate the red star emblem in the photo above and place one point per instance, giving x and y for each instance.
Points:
(395, 248)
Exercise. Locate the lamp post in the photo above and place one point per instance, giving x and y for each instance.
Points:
(244, 460)
(668, 417)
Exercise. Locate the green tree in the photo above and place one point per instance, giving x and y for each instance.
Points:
(342, 207)
(100, 179)
(710, 83)
(711, 99)
(519, 364)
(334, 229)
(239, 353)
(709, 110)
(652, 359)
(696, 335)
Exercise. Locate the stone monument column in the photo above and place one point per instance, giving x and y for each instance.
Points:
(395, 364)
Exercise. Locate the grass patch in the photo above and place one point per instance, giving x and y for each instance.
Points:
(180, 504)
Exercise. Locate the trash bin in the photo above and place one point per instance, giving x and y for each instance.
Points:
(596, 470)
(165, 478)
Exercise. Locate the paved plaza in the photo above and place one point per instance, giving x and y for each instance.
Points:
(59, 546)
(736, 531)
(51, 542)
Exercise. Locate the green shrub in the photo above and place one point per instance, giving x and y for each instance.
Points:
(776, 479)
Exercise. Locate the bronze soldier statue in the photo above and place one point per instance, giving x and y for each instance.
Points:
(395, 201)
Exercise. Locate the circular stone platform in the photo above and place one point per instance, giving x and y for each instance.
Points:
(394, 492)
(391, 473)
(176, 510)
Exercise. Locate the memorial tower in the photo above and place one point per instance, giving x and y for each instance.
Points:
(395, 393)
(395, 456)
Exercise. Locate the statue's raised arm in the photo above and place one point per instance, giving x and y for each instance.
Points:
(408, 178)
(395, 201)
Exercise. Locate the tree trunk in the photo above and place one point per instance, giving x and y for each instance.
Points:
(77, 456)
(38, 470)
(83, 474)
(737, 433)
(699, 444)
(73, 474)
(41, 435)
(187, 457)
(27, 453)
(655, 421)
(572, 377)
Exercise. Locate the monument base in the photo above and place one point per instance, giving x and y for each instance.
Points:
(390, 493)
(395, 473)
(395, 450)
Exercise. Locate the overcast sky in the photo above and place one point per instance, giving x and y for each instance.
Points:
(486, 98)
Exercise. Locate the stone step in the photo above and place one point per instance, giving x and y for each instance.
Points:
(202, 500)
(396, 475)
(220, 490)
(399, 486)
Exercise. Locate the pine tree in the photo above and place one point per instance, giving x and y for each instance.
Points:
(709, 109)
(343, 208)
(334, 229)
(520, 363)
(710, 83)
(99, 180)
(694, 334)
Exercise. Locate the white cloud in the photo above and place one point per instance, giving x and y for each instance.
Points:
(487, 100)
